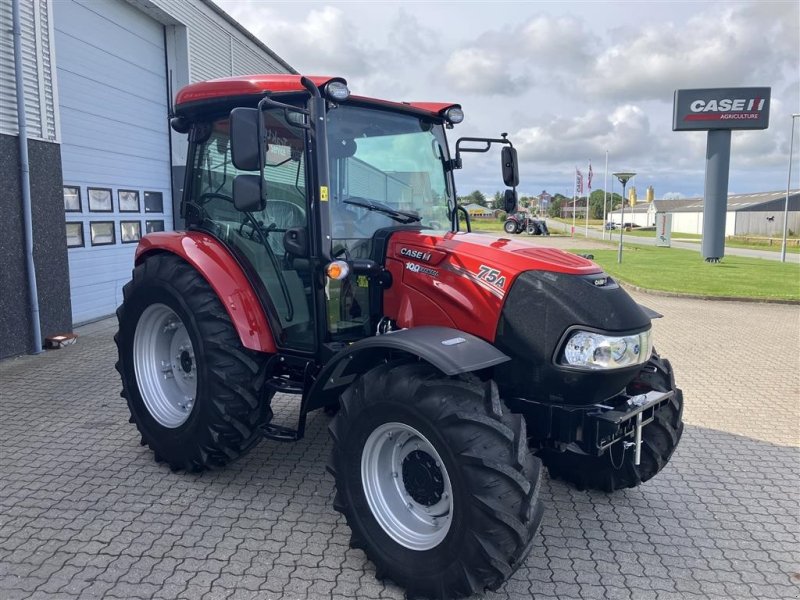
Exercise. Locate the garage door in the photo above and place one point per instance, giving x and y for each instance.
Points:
(115, 143)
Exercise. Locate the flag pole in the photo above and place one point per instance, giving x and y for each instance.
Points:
(574, 195)
(605, 198)
(588, 192)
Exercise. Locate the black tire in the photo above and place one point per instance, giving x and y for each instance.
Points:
(495, 479)
(511, 227)
(230, 404)
(660, 438)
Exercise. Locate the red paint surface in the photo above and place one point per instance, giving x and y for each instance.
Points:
(261, 84)
(225, 276)
(242, 86)
(455, 296)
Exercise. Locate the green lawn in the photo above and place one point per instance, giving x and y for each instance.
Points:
(484, 225)
(684, 271)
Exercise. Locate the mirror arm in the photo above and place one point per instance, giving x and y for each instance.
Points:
(456, 163)
(268, 101)
(466, 217)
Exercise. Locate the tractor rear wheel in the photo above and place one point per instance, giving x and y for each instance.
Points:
(435, 479)
(510, 227)
(615, 469)
(195, 394)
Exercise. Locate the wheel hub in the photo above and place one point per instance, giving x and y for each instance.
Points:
(186, 361)
(164, 365)
(407, 486)
(422, 478)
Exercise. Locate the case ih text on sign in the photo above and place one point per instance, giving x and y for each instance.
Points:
(723, 108)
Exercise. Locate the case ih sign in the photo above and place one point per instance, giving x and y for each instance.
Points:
(718, 111)
(721, 108)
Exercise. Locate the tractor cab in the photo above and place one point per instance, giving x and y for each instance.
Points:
(297, 183)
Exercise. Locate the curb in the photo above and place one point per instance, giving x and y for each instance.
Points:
(664, 294)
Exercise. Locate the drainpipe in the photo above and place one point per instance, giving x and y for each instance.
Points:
(25, 182)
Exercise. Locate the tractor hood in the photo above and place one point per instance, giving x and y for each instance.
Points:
(508, 256)
(521, 298)
(452, 278)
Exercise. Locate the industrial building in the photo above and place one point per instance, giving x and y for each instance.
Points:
(104, 166)
(756, 214)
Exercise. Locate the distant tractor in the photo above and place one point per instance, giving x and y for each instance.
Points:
(322, 257)
(521, 221)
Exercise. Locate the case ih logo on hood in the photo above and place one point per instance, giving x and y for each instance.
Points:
(724, 109)
(417, 254)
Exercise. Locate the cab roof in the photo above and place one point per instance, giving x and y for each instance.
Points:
(258, 85)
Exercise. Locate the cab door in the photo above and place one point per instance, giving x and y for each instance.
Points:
(256, 238)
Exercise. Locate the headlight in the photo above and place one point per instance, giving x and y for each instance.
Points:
(337, 90)
(590, 350)
(454, 114)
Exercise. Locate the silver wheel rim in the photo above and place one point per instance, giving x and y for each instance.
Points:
(407, 486)
(164, 364)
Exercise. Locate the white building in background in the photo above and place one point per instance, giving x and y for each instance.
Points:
(104, 164)
(757, 214)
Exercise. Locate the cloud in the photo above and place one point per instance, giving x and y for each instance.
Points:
(744, 45)
(482, 71)
(624, 132)
(325, 42)
(553, 42)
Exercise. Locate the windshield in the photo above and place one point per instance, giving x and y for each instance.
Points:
(386, 170)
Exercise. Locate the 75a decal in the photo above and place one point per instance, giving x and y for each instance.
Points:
(493, 276)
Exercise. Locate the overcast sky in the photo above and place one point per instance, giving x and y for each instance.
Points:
(566, 80)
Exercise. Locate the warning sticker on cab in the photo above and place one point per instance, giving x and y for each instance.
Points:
(323, 193)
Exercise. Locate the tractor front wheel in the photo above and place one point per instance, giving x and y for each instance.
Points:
(615, 469)
(510, 227)
(195, 394)
(435, 479)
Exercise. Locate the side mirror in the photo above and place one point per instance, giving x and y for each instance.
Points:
(510, 166)
(246, 151)
(247, 193)
(510, 201)
(295, 241)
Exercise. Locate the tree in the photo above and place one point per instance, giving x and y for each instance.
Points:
(497, 201)
(596, 204)
(556, 202)
(477, 197)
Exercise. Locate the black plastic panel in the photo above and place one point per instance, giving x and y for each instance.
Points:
(540, 307)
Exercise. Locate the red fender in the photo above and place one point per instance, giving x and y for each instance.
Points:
(214, 262)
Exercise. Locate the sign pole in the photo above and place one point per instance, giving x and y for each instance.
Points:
(715, 202)
(788, 187)
(719, 111)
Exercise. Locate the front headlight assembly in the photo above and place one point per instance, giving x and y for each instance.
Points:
(596, 351)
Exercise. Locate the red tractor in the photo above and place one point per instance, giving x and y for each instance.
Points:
(322, 257)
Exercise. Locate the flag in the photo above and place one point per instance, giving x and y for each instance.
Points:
(578, 181)
(589, 178)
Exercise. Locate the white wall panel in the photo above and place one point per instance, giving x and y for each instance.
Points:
(40, 111)
(113, 110)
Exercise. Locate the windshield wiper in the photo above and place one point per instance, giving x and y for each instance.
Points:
(398, 215)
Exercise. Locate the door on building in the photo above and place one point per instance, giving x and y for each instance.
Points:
(115, 152)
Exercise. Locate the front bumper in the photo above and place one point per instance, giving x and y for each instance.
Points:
(594, 428)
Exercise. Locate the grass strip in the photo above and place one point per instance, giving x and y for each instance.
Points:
(684, 272)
